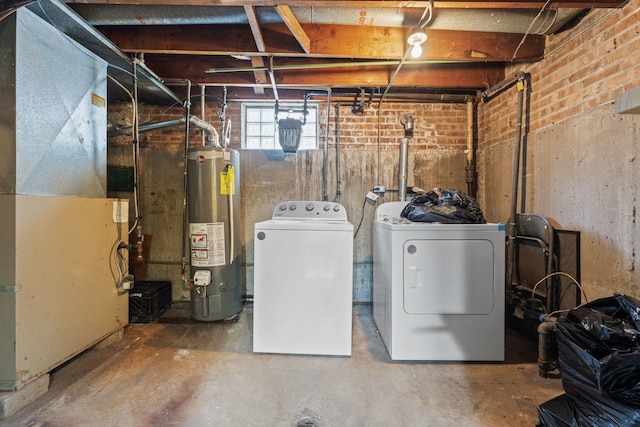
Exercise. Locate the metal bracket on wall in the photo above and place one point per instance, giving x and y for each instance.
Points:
(16, 288)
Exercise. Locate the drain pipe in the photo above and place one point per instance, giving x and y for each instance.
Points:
(337, 141)
(516, 174)
(471, 152)
(136, 138)
(325, 149)
(546, 352)
(519, 79)
(407, 122)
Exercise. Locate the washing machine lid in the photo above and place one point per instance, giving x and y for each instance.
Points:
(307, 215)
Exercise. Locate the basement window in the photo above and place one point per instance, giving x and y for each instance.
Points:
(260, 130)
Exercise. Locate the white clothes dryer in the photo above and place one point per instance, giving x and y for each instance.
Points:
(438, 289)
(303, 280)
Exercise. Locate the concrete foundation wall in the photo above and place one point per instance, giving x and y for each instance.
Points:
(579, 169)
(436, 159)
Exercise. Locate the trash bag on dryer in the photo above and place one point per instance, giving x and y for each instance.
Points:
(445, 207)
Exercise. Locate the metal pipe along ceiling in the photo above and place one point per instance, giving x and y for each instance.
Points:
(490, 20)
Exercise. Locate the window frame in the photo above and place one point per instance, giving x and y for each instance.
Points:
(298, 106)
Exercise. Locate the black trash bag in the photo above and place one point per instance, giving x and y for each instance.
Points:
(444, 206)
(599, 357)
(565, 411)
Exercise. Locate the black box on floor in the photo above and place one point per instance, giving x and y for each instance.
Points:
(148, 300)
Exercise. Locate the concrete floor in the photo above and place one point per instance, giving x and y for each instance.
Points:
(181, 373)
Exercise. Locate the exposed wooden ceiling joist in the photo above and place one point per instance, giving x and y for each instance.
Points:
(294, 26)
(256, 61)
(322, 45)
(428, 75)
(342, 41)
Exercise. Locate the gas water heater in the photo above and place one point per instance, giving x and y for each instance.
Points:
(213, 199)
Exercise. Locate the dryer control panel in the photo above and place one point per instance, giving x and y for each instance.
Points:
(310, 210)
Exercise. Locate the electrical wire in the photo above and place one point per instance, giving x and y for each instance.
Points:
(526, 33)
(577, 35)
(120, 261)
(427, 11)
(393, 77)
(364, 203)
(559, 273)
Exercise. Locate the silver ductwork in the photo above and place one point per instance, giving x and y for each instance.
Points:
(53, 112)
(489, 20)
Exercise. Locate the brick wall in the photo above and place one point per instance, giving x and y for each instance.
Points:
(436, 126)
(584, 67)
(580, 170)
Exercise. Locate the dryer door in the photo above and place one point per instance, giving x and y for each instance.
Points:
(448, 276)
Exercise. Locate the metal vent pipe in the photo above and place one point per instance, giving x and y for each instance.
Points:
(407, 123)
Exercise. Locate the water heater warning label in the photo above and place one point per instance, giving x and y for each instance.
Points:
(207, 244)
(227, 181)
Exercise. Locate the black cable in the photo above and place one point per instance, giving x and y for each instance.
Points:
(364, 203)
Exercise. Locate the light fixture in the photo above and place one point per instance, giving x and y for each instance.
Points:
(415, 40)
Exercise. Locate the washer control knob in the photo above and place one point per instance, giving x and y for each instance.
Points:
(336, 208)
(326, 208)
(292, 207)
(283, 207)
(309, 207)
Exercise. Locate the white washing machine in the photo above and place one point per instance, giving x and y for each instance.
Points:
(303, 280)
(438, 289)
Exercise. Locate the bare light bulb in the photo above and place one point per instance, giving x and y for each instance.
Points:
(416, 51)
(416, 39)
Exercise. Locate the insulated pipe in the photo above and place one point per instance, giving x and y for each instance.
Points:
(469, 19)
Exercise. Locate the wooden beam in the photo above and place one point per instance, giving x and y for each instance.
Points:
(497, 4)
(255, 27)
(294, 26)
(470, 75)
(326, 41)
(260, 77)
(256, 62)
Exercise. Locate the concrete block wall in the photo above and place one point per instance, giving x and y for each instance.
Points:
(579, 156)
(436, 158)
